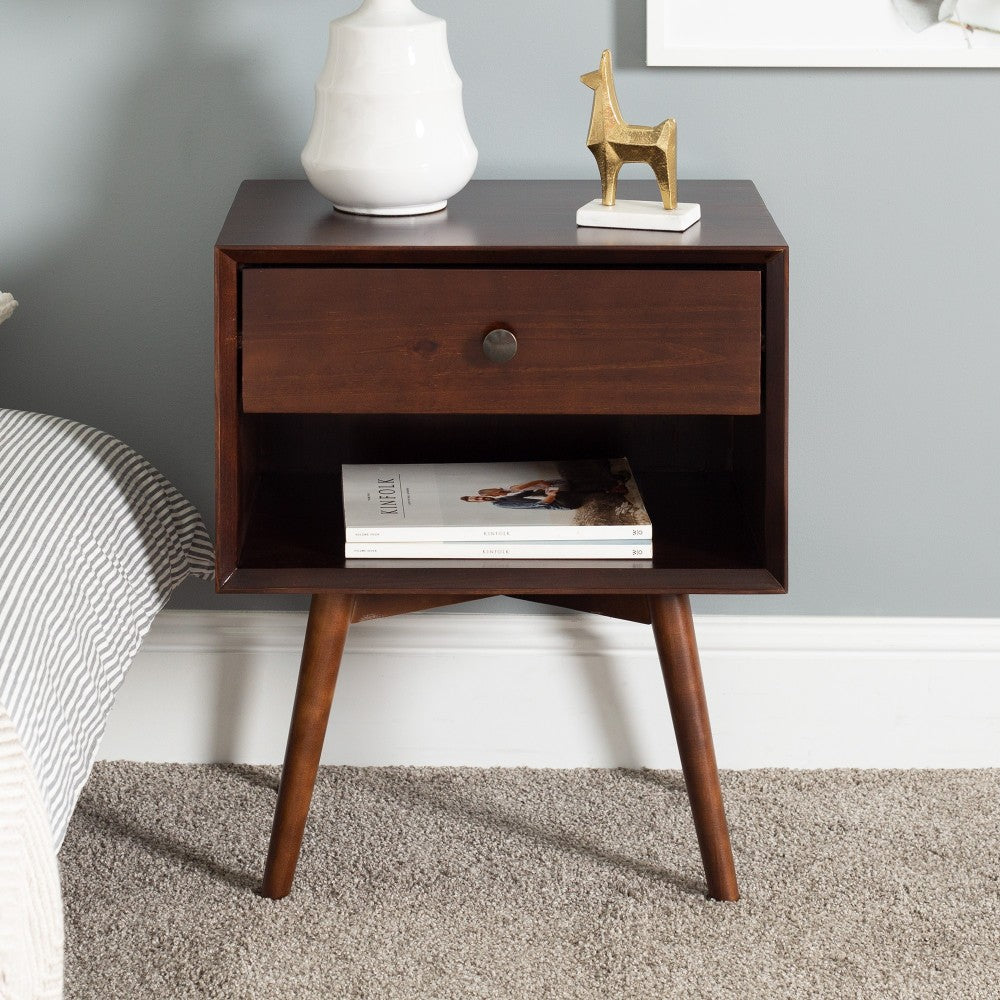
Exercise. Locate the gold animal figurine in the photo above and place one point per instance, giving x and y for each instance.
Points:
(613, 141)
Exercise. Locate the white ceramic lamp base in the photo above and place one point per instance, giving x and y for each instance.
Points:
(434, 206)
(389, 135)
(639, 215)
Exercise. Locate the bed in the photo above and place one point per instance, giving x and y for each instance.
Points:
(93, 540)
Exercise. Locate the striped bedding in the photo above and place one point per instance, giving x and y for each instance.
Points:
(92, 542)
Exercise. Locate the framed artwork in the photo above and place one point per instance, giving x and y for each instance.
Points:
(823, 33)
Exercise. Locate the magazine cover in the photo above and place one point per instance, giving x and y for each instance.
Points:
(588, 500)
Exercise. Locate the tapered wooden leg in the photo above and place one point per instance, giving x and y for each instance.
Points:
(329, 618)
(678, 649)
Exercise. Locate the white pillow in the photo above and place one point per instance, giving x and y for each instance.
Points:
(7, 305)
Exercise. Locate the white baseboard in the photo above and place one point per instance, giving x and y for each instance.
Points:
(570, 691)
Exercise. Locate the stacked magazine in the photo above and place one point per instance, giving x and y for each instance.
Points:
(584, 509)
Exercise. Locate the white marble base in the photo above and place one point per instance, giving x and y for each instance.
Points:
(638, 215)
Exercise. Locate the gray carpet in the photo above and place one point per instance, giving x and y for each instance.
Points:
(451, 883)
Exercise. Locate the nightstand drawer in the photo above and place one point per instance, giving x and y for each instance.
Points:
(411, 340)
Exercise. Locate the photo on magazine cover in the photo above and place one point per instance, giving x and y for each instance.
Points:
(534, 495)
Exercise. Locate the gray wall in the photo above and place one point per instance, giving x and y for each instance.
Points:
(125, 128)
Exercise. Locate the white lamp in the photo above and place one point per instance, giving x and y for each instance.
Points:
(389, 135)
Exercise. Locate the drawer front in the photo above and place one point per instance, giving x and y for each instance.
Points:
(410, 340)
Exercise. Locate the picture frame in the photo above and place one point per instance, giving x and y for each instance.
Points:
(845, 33)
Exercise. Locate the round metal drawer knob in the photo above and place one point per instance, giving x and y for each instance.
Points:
(499, 345)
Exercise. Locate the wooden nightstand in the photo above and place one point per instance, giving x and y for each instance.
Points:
(350, 339)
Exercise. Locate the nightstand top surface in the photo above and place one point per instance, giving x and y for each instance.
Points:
(500, 215)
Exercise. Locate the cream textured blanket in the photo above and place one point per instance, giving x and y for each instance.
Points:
(7, 305)
(31, 924)
(31, 920)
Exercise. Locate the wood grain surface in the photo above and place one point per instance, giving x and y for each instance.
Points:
(673, 629)
(319, 314)
(326, 631)
(402, 340)
(491, 222)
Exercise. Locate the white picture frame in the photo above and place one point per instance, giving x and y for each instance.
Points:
(823, 33)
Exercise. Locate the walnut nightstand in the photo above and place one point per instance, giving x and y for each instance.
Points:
(352, 339)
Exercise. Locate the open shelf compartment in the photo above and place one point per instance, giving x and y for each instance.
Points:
(699, 476)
